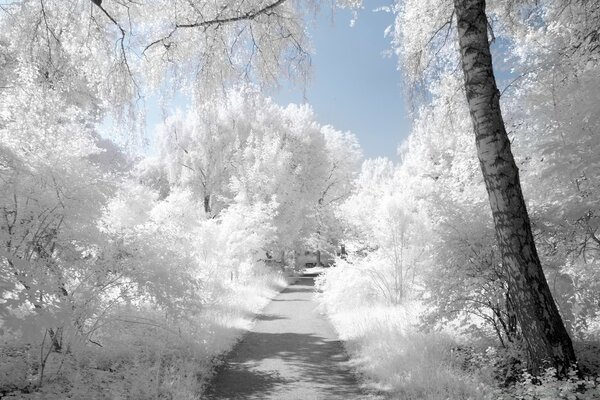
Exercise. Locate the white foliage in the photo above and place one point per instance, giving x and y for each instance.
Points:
(243, 149)
(423, 37)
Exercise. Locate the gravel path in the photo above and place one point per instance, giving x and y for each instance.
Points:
(291, 353)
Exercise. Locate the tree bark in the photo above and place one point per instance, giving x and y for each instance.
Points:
(207, 208)
(547, 341)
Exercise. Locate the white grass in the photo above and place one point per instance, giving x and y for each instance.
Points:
(389, 351)
(396, 359)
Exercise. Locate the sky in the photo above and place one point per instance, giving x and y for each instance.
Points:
(354, 87)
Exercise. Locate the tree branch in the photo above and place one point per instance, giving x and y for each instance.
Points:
(98, 4)
(249, 15)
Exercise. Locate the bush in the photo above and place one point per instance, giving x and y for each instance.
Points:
(549, 387)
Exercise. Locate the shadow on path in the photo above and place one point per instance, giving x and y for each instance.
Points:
(291, 353)
(268, 317)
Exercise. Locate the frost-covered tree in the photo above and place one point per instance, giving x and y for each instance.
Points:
(54, 182)
(343, 155)
(427, 46)
(243, 148)
(196, 150)
(551, 113)
(384, 232)
(127, 49)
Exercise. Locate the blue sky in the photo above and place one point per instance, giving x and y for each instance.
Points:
(354, 87)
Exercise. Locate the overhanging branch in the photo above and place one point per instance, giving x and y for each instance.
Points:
(98, 3)
(247, 16)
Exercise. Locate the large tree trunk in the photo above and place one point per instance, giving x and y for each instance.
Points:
(547, 341)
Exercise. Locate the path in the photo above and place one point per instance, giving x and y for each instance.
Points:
(291, 353)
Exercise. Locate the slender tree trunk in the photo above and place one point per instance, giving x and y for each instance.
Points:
(318, 258)
(207, 208)
(547, 341)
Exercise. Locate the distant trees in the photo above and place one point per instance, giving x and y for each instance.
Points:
(242, 147)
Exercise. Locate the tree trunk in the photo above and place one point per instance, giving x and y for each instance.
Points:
(207, 209)
(546, 338)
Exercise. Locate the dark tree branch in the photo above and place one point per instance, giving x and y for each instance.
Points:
(98, 4)
(247, 16)
(250, 15)
(448, 26)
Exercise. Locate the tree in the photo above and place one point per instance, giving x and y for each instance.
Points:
(109, 56)
(196, 151)
(334, 185)
(553, 111)
(543, 330)
(241, 148)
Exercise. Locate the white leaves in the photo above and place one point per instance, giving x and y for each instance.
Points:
(105, 58)
(424, 37)
(241, 148)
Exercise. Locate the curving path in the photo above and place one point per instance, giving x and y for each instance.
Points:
(291, 353)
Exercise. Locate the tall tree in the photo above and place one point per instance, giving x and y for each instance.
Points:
(546, 338)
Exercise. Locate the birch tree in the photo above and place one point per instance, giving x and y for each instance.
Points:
(546, 338)
(428, 55)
